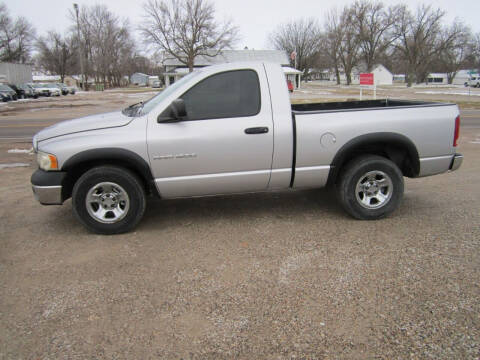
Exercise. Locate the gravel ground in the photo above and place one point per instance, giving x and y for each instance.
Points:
(261, 276)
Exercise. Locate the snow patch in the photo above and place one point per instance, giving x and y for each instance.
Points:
(447, 93)
(13, 165)
(20, 151)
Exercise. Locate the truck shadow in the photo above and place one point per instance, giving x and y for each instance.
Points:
(286, 204)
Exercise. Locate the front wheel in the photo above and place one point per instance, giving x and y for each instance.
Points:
(370, 187)
(109, 200)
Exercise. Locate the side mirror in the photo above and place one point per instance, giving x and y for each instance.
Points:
(174, 113)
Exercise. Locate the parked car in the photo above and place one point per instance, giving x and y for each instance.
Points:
(72, 89)
(55, 90)
(30, 91)
(5, 93)
(156, 84)
(8, 91)
(20, 92)
(474, 81)
(63, 88)
(213, 132)
(42, 90)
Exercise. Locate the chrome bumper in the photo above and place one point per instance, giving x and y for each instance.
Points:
(48, 195)
(456, 162)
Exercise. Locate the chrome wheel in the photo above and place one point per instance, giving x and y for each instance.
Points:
(374, 189)
(107, 202)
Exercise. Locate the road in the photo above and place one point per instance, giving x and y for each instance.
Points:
(22, 130)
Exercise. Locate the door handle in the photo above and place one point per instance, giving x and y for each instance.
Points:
(257, 130)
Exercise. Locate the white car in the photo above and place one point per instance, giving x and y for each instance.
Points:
(47, 90)
(474, 81)
(54, 89)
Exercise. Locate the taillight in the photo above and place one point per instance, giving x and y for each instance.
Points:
(456, 134)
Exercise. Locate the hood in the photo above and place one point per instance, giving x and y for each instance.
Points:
(93, 122)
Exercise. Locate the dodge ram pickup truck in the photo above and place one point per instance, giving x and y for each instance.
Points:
(231, 128)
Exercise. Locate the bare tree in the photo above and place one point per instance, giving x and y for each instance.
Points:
(300, 36)
(56, 54)
(457, 48)
(419, 40)
(350, 43)
(186, 29)
(374, 25)
(476, 52)
(331, 40)
(16, 37)
(107, 44)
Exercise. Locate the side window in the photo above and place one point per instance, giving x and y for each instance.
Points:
(225, 95)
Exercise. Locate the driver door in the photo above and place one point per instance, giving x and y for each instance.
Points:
(224, 145)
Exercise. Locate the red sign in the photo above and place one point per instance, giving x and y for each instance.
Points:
(366, 79)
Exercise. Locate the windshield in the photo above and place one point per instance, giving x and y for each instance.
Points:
(51, 86)
(4, 88)
(149, 105)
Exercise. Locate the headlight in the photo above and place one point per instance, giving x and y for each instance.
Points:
(47, 162)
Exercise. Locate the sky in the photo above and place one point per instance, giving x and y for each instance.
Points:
(255, 18)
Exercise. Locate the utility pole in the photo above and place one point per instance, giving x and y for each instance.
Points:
(80, 52)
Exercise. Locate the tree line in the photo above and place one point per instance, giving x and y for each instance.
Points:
(101, 45)
(366, 33)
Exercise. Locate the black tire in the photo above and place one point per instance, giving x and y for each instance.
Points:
(126, 181)
(370, 175)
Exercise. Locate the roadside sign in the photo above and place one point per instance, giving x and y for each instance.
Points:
(366, 79)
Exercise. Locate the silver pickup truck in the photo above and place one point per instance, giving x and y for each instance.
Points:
(231, 129)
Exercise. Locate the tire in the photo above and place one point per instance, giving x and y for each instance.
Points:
(118, 191)
(370, 187)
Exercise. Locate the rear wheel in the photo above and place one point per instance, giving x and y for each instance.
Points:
(370, 187)
(109, 200)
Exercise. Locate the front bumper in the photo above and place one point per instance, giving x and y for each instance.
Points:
(48, 195)
(47, 187)
(456, 162)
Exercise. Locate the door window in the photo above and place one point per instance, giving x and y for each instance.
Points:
(225, 95)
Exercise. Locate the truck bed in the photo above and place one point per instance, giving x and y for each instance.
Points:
(361, 105)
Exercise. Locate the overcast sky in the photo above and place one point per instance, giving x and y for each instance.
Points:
(255, 18)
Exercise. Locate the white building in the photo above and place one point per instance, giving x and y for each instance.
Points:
(293, 75)
(139, 79)
(437, 78)
(382, 76)
(46, 78)
(174, 69)
(15, 73)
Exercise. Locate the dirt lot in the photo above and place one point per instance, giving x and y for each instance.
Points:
(275, 276)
